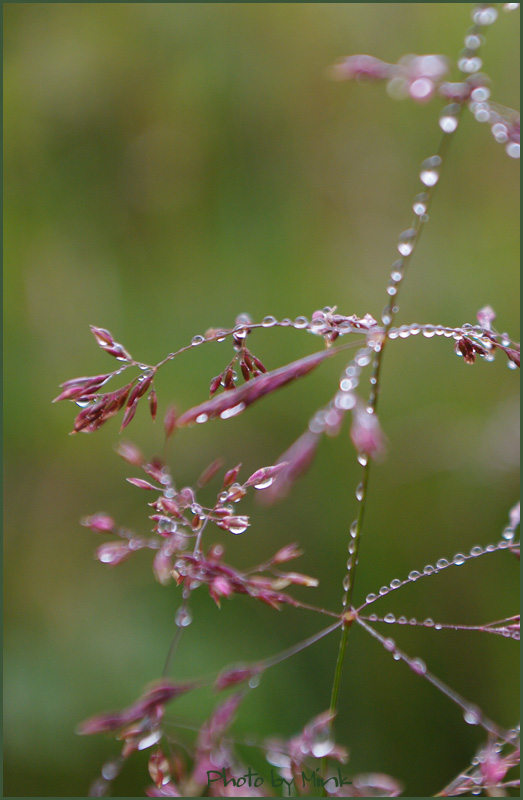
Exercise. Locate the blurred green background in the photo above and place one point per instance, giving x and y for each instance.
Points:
(168, 166)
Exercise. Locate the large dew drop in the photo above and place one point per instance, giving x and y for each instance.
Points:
(232, 412)
(183, 617)
(264, 484)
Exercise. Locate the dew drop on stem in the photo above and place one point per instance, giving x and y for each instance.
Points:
(420, 204)
(482, 15)
(448, 122)
(418, 666)
(197, 340)
(406, 241)
(472, 716)
(301, 322)
(264, 484)
(183, 617)
(429, 174)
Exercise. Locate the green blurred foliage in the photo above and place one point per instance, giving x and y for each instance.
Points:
(168, 166)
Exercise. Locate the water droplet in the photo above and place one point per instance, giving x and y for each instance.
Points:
(477, 551)
(233, 411)
(406, 241)
(351, 547)
(481, 111)
(268, 322)
(354, 529)
(347, 384)
(389, 644)
(393, 333)
(428, 623)
(442, 563)
(362, 359)
(359, 492)
(183, 617)
(512, 149)
(254, 681)
(448, 122)
(346, 583)
(413, 621)
(239, 525)
(384, 590)
(469, 64)
(428, 331)
(396, 655)
(321, 749)
(220, 336)
(370, 598)
(390, 618)
(386, 317)
(484, 15)
(418, 666)
(167, 526)
(480, 94)
(363, 459)
(438, 626)
(391, 290)
(414, 575)
(373, 617)
(202, 418)
(402, 620)
(150, 739)
(301, 322)
(459, 559)
(286, 322)
(82, 403)
(472, 42)
(490, 548)
(317, 326)
(264, 484)
(197, 340)
(472, 716)
(428, 570)
(110, 770)
(344, 401)
(419, 205)
(429, 174)
(500, 132)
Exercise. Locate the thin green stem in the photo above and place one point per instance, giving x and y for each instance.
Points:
(389, 313)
